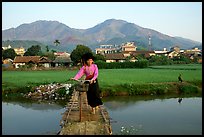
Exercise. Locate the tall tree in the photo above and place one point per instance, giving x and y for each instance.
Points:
(57, 42)
(34, 50)
(9, 53)
(50, 55)
(47, 48)
(77, 53)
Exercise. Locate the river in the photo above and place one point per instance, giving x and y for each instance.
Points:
(131, 115)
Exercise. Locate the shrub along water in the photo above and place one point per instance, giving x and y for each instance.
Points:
(117, 65)
(152, 89)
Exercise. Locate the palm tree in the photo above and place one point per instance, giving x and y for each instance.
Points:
(56, 42)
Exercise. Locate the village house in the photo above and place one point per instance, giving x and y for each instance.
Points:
(194, 52)
(106, 49)
(62, 59)
(161, 52)
(144, 53)
(19, 51)
(127, 50)
(36, 61)
(128, 47)
(174, 52)
(114, 57)
(64, 54)
(5, 48)
(8, 63)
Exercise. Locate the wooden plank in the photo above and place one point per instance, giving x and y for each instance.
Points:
(84, 123)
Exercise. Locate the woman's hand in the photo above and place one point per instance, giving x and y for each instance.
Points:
(92, 81)
(72, 79)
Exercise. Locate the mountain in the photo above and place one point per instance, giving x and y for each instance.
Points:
(111, 31)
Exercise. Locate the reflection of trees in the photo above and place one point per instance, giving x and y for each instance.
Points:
(34, 104)
(37, 105)
(121, 102)
(114, 105)
(23, 100)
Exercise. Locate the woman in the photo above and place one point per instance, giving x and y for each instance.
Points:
(91, 71)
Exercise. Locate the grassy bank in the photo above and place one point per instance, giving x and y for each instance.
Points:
(167, 88)
(154, 80)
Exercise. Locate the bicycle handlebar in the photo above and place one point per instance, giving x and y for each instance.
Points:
(82, 81)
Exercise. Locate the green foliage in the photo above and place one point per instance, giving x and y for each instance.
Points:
(78, 52)
(34, 50)
(50, 55)
(116, 65)
(99, 57)
(179, 67)
(196, 83)
(57, 42)
(47, 49)
(159, 60)
(182, 59)
(9, 53)
(22, 89)
(164, 60)
(61, 92)
(151, 89)
(144, 89)
(188, 89)
(112, 91)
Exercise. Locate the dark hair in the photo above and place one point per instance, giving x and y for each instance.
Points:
(87, 56)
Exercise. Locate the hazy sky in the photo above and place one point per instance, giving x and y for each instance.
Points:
(182, 19)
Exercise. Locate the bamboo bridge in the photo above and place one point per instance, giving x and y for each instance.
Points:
(78, 119)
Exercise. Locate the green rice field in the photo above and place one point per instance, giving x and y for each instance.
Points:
(107, 77)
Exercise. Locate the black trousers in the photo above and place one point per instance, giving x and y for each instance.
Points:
(93, 95)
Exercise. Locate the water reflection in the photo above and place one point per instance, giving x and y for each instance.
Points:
(43, 106)
(136, 115)
(31, 118)
(153, 116)
(179, 100)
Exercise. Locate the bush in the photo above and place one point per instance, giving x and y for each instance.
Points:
(116, 65)
(188, 89)
(61, 92)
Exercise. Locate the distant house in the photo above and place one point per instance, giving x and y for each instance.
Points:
(5, 48)
(174, 52)
(19, 51)
(175, 48)
(119, 57)
(62, 61)
(128, 46)
(193, 52)
(35, 60)
(65, 54)
(161, 52)
(145, 53)
(7, 62)
(114, 57)
(106, 49)
(109, 49)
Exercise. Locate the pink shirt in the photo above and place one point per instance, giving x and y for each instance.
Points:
(88, 70)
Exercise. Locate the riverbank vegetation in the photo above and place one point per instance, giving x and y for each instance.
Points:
(154, 80)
